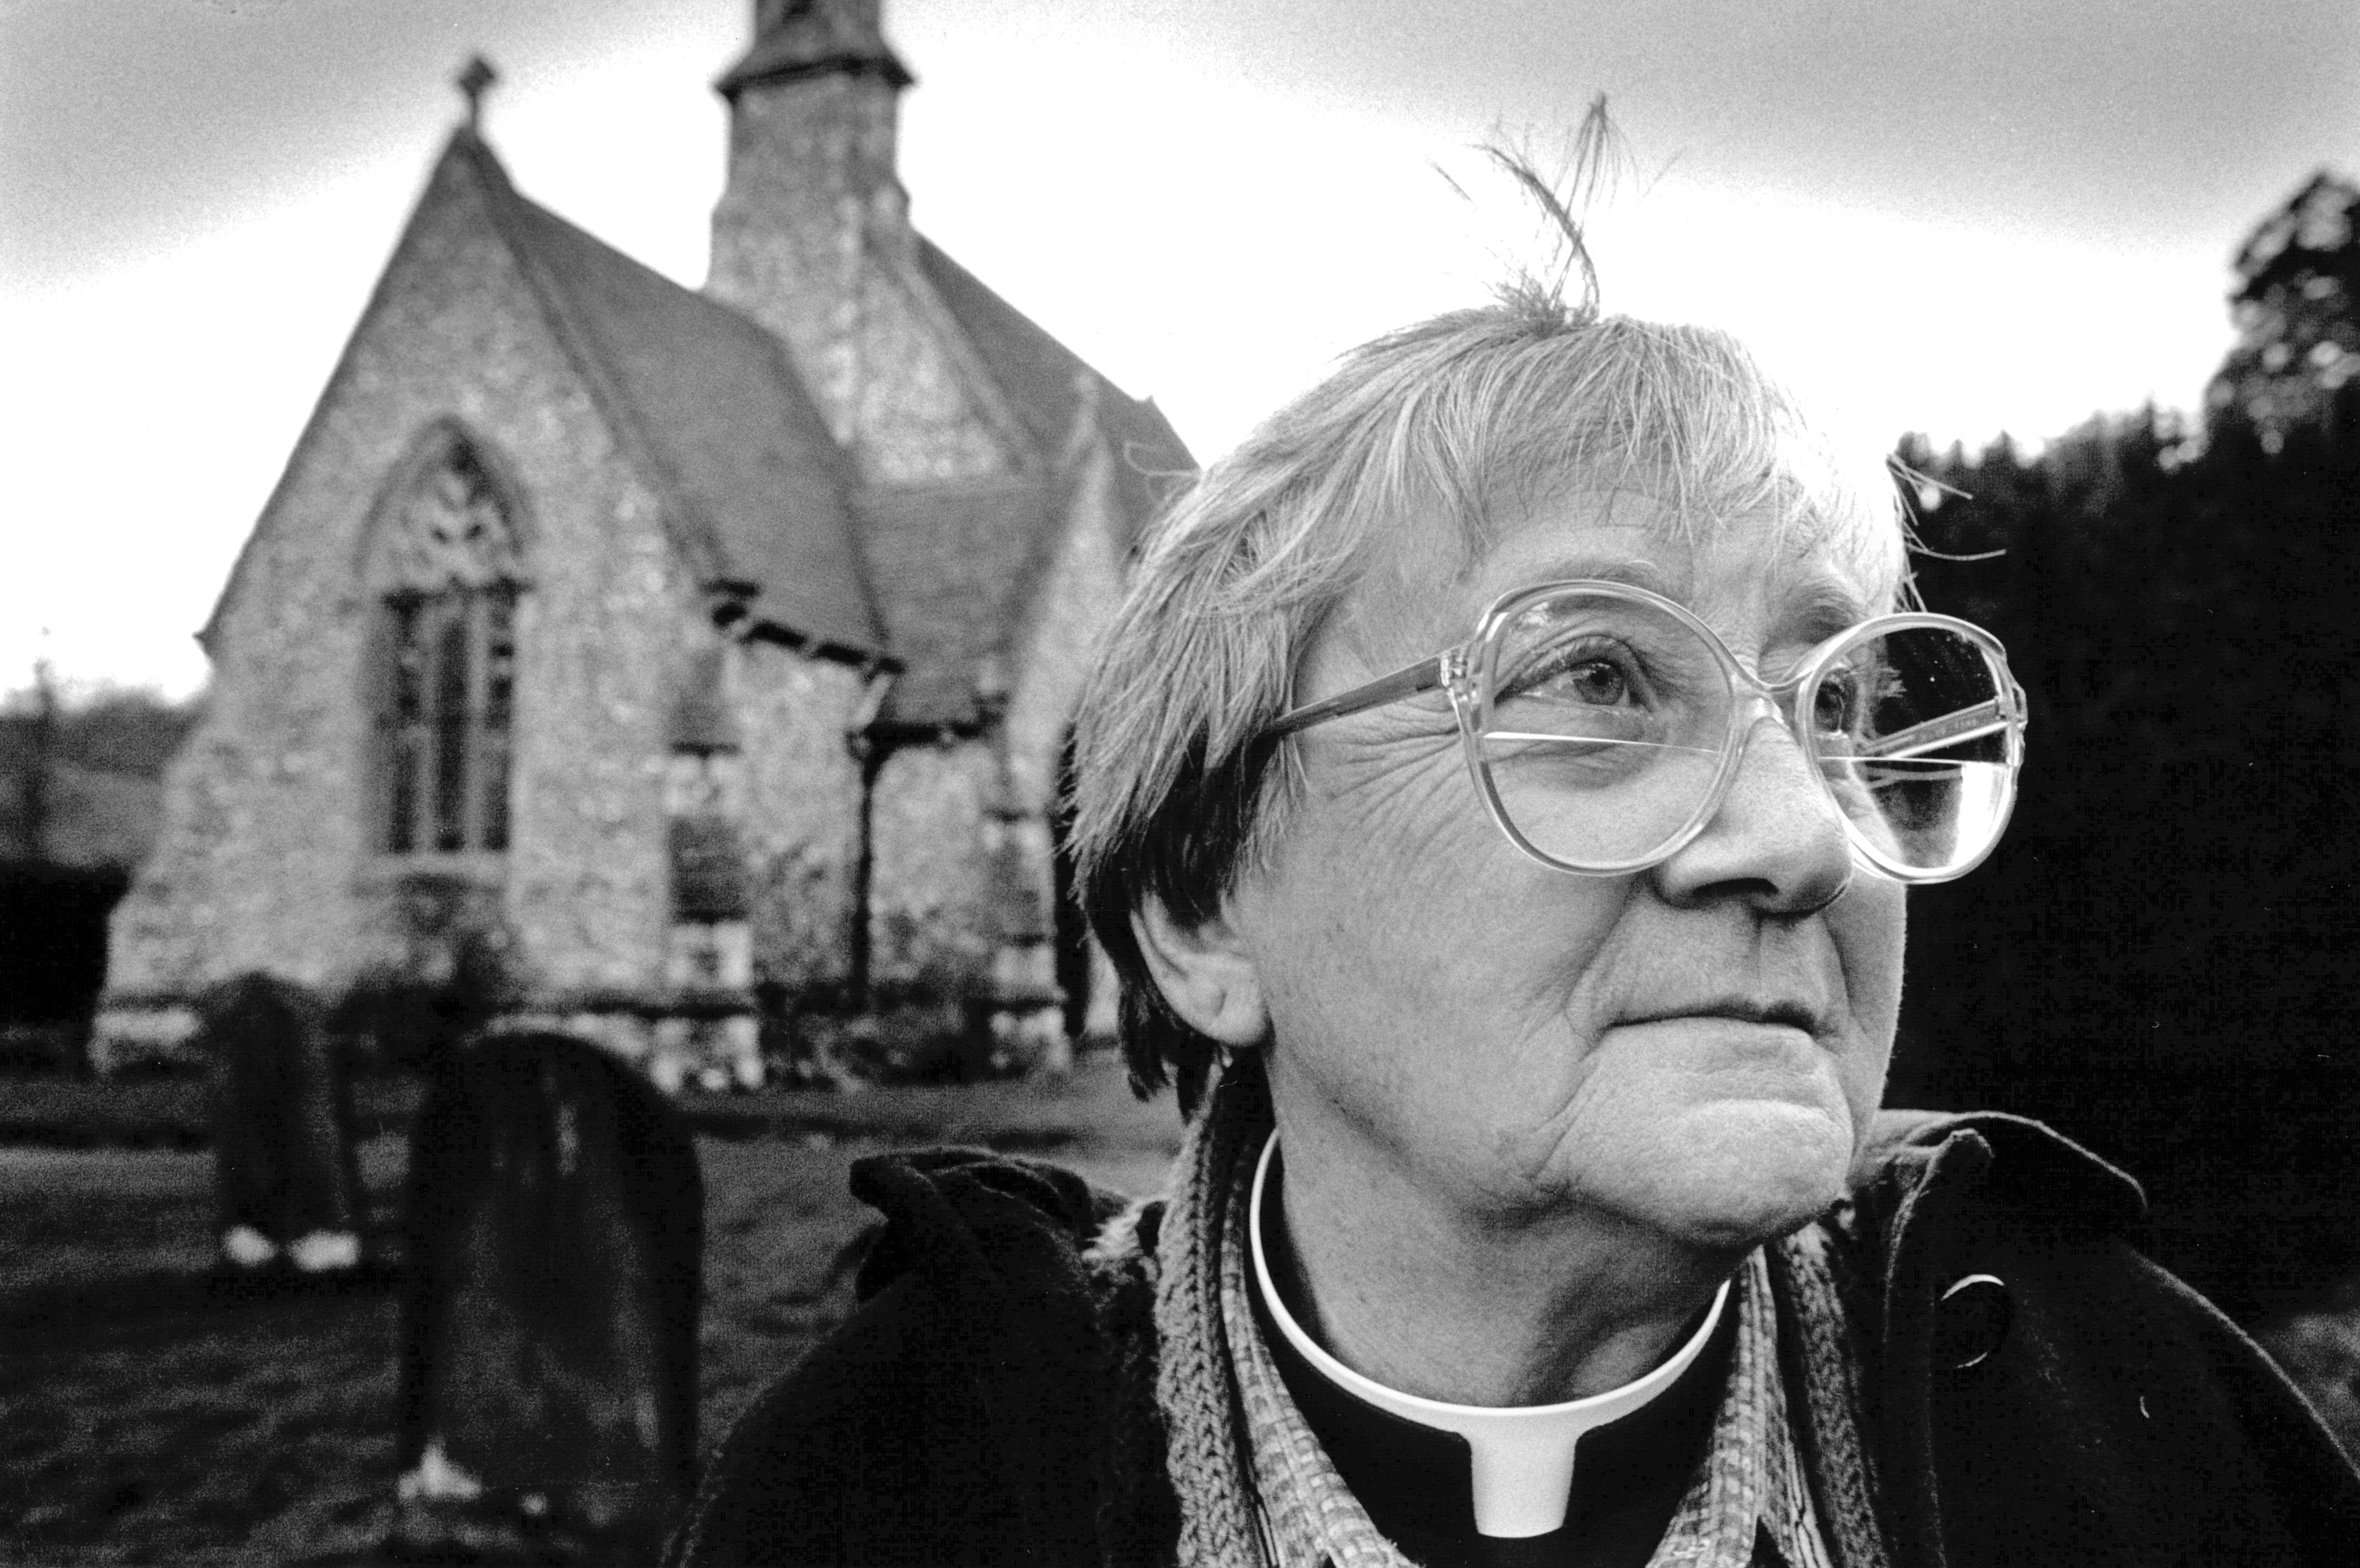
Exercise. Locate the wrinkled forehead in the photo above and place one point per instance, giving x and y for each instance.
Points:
(1791, 499)
(1638, 538)
(1829, 553)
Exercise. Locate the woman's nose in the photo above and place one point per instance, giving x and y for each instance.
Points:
(1776, 841)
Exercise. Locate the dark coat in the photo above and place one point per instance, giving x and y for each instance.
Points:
(2038, 1392)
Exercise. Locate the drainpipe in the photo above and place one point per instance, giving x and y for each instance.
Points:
(869, 753)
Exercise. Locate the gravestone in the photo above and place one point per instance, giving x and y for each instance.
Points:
(547, 1365)
(285, 1181)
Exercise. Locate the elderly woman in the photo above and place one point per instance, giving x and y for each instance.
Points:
(1499, 792)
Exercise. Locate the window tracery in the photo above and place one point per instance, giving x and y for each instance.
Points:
(450, 568)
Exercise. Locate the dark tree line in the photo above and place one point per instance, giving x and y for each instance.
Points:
(64, 850)
(2161, 958)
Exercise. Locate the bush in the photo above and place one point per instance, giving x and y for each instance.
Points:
(400, 1016)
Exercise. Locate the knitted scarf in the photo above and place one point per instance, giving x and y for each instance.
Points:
(1214, 1384)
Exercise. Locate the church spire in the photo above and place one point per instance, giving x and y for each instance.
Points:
(814, 38)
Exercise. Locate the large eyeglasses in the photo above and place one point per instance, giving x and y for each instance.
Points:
(1603, 725)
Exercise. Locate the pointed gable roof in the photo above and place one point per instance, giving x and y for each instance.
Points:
(1045, 383)
(763, 503)
(753, 484)
(955, 567)
(809, 37)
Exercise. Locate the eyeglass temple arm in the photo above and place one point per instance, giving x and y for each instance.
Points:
(1967, 723)
(1426, 675)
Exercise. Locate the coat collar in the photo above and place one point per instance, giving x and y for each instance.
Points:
(2024, 1164)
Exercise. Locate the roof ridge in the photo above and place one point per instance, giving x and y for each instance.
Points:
(696, 298)
(461, 140)
(798, 561)
(1042, 373)
(997, 300)
(703, 546)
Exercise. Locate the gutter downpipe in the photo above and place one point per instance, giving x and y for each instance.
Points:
(868, 752)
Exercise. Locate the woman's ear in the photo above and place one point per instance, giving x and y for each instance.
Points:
(1205, 972)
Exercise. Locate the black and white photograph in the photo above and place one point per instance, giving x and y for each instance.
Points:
(1308, 784)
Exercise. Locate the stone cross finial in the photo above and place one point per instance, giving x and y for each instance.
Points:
(475, 79)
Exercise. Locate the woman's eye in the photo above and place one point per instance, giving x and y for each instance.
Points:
(1836, 706)
(1595, 681)
(1847, 698)
(1588, 676)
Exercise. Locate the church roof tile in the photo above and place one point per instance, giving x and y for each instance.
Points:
(949, 565)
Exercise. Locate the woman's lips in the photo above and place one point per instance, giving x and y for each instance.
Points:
(1786, 1014)
(1750, 1054)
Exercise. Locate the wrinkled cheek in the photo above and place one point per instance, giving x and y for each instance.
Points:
(1872, 941)
(1552, 1129)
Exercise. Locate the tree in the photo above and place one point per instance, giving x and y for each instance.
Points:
(37, 764)
(2157, 959)
(2296, 303)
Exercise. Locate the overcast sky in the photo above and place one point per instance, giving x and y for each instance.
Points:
(1955, 216)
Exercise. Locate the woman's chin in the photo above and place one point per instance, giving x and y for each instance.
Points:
(1733, 1175)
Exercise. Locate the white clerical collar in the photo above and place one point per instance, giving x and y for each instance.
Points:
(1522, 1454)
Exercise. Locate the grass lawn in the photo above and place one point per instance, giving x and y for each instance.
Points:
(155, 1413)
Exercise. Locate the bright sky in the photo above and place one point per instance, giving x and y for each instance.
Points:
(1955, 216)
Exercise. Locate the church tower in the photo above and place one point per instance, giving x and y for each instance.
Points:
(814, 108)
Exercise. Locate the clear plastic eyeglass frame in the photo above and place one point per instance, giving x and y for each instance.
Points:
(1466, 672)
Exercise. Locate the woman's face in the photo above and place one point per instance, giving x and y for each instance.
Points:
(1696, 1048)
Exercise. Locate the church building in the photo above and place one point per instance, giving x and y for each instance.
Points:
(705, 656)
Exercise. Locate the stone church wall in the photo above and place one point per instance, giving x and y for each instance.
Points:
(589, 879)
(1084, 586)
(269, 857)
(801, 815)
(934, 892)
(1084, 583)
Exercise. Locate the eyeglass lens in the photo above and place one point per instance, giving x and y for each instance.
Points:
(1608, 721)
(1912, 736)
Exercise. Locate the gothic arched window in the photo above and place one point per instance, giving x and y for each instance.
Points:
(449, 571)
